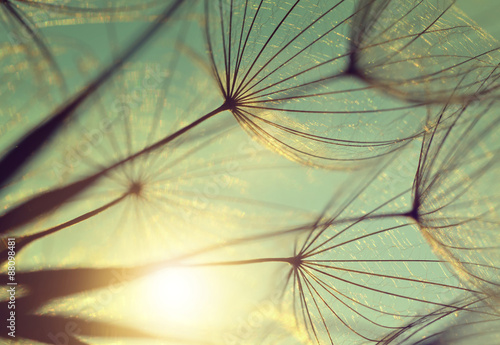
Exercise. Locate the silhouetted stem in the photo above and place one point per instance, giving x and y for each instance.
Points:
(164, 141)
(23, 150)
(241, 262)
(22, 242)
(283, 232)
(48, 201)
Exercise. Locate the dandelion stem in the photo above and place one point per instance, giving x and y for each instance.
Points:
(48, 201)
(167, 139)
(241, 262)
(25, 240)
(24, 149)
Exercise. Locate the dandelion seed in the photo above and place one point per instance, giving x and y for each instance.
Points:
(420, 51)
(282, 73)
(456, 202)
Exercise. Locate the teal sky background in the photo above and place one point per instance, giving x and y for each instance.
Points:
(213, 185)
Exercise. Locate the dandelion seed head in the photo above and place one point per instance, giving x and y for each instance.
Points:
(136, 188)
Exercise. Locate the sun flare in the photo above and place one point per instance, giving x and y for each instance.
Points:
(179, 295)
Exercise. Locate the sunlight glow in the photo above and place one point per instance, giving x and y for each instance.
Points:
(179, 295)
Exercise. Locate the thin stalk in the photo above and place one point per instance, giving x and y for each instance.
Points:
(22, 242)
(240, 262)
(25, 149)
(267, 235)
(48, 201)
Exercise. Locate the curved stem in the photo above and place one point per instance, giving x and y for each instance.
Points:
(22, 242)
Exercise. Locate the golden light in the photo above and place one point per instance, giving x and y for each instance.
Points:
(178, 295)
